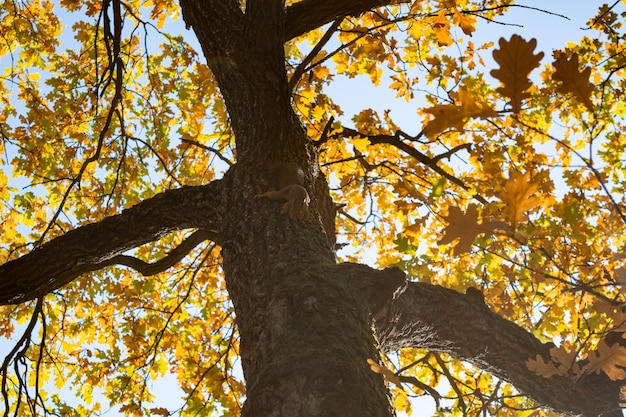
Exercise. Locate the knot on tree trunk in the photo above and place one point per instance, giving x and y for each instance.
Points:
(378, 287)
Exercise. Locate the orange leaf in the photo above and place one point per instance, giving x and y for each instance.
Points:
(385, 372)
(516, 61)
(441, 28)
(466, 22)
(542, 367)
(572, 80)
(517, 194)
(464, 226)
(565, 360)
(455, 116)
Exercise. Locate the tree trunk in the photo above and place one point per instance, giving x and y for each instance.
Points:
(305, 332)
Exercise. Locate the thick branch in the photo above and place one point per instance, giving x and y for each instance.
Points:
(265, 29)
(250, 71)
(311, 14)
(436, 318)
(85, 249)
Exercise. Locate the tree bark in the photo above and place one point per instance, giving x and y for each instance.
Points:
(443, 320)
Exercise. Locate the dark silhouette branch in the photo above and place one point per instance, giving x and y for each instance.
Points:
(171, 259)
(311, 14)
(419, 156)
(115, 75)
(426, 316)
(17, 355)
(304, 65)
(210, 149)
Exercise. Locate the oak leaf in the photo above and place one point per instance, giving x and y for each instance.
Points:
(542, 367)
(516, 60)
(608, 359)
(465, 227)
(466, 22)
(572, 80)
(565, 360)
(562, 362)
(455, 116)
(441, 29)
(518, 197)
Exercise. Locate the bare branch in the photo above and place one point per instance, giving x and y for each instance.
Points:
(16, 355)
(419, 156)
(115, 75)
(210, 149)
(304, 65)
(171, 259)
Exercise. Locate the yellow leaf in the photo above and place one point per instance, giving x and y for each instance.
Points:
(516, 60)
(572, 80)
(455, 116)
(401, 402)
(360, 143)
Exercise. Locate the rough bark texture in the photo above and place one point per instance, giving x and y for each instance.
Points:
(444, 320)
(305, 321)
(305, 330)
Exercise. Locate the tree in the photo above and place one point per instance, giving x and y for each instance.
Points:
(142, 238)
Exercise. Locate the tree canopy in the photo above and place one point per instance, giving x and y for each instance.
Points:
(134, 137)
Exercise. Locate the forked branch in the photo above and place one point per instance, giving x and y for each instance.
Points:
(89, 248)
(171, 259)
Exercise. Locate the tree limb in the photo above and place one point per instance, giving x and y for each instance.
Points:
(419, 156)
(311, 14)
(171, 259)
(436, 318)
(90, 247)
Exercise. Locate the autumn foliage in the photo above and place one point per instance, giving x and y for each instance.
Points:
(508, 183)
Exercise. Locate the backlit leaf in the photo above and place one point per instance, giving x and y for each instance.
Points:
(572, 80)
(518, 194)
(516, 60)
(452, 116)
